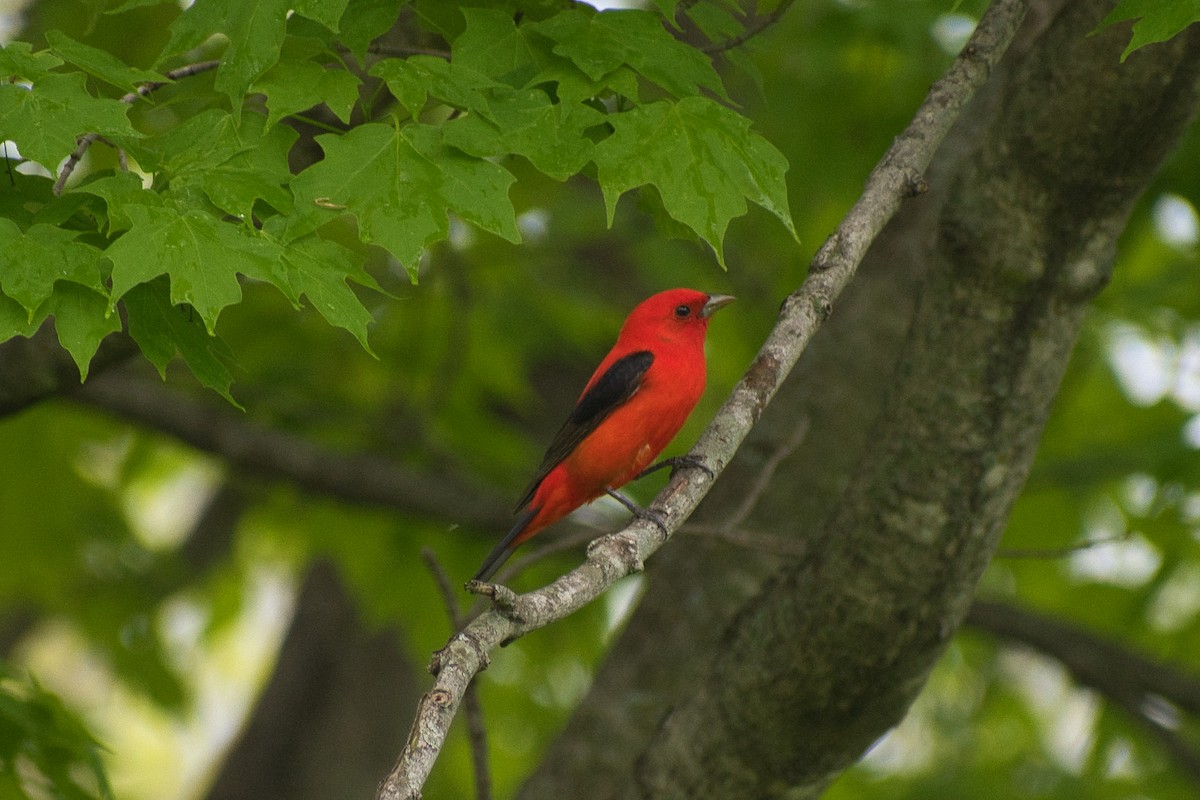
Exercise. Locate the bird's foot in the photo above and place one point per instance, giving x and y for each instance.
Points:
(655, 516)
(691, 462)
(677, 463)
(649, 514)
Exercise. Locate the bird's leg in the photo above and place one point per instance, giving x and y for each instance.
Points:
(649, 514)
(677, 463)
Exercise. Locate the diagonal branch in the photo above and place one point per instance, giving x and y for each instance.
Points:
(476, 730)
(897, 176)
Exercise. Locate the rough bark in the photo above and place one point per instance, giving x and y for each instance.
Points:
(830, 653)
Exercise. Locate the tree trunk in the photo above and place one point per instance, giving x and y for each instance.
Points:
(334, 712)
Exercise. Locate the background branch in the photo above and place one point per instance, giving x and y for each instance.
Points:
(259, 450)
(1131, 680)
(37, 368)
(1093, 659)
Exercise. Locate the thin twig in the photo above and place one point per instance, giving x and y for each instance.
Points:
(750, 540)
(754, 26)
(143, 90)
(407, 50)
(766, 474)
(898, 176)
(445, 586)
(1060, 552)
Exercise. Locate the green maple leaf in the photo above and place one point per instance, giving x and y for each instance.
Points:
(15, 320)
(233, 162)
(702, 158)
(202, 256)
(254, 28)
(82, 319)
(525, 122)
(400, 185)
(163, 330)
(120, 192)
(327, 12)
(600, 43)
(32, 262)
(318, 270)
(494, 45)
(18, 59)
(129, 5)
(39, 728)
(1157, 20)
(413, 80)
(366, 20)
(518, 55)
(45, 272)
(295, 85)
(45, 120)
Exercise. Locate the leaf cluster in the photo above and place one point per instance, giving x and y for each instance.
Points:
(424, 106)
(37, 731)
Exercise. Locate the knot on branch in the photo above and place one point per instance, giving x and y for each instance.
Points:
(915, 185)
(619, 548)
(828, 256)
(445, 655)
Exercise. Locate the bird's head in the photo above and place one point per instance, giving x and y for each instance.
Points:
(675, 315)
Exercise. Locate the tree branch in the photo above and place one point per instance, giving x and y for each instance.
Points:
(897, 177)
(247, 445)
(86, 141)
(36, 368)
(754, 26)
(1127, 678)
(476, 730)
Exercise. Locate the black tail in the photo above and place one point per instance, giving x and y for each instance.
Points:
(503, 550)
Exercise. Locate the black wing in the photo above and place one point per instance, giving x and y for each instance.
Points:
(618, 383)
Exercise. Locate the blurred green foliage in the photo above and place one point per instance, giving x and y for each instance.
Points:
(477, 361)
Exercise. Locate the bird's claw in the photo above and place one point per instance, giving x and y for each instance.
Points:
(677, 463)
(691, 462)
(658, 518)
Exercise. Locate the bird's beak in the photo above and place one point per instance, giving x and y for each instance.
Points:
(715, 302)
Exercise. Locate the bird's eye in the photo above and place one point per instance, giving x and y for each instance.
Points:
(683, 311)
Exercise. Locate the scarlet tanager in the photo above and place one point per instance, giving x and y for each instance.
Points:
(636, 401)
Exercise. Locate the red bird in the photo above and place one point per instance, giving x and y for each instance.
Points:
(634, 404)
